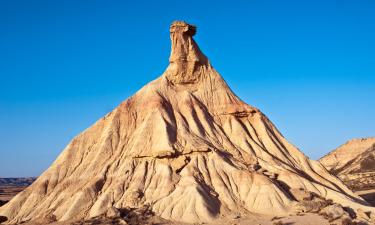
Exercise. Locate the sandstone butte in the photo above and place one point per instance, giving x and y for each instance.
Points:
(354, 163)
(339, 157)
(185, 145)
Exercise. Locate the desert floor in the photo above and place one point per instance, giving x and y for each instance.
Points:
(8, 192)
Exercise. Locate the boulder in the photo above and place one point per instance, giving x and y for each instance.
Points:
(334, 212)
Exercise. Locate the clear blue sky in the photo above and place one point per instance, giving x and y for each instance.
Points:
(308, 65)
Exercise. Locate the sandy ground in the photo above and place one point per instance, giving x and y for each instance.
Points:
(306, 219)
(7, 192)
(137, 218)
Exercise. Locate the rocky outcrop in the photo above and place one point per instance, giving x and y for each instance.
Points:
(185, 146)
(354, 164)
(187, 62)
(335, 160)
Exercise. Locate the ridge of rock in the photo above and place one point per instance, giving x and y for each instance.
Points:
(184, 145)
(337, 158)
(354, 163)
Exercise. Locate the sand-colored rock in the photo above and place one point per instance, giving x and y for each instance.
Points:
(186, 146)
(337, 158)
(362, 215)
(354, 163)
(333, 212)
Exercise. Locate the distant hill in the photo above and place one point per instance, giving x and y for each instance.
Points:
(354, 164)
(9, 187)
(22, 181)
(341, 156)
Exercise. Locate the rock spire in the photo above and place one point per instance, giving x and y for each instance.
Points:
(186, 60)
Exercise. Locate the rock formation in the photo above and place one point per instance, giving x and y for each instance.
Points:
(338, 158)
(184, 145)
(354, 164)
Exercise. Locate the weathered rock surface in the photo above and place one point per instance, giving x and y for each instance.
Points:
(186, 146)
(338, 160)
(333, 212)
(354, 164)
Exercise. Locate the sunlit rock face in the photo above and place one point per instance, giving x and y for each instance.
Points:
(354, 163)
(186, 146)
(187, 62)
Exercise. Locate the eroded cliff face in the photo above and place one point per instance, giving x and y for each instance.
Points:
(337, 158)
(186, 146)
(353, 163)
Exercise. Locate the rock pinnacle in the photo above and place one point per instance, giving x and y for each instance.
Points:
(186, 60)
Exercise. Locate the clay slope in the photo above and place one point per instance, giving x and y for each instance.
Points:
(354, 163)
(185, 145)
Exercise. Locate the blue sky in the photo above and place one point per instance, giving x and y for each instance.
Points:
(308, 65)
